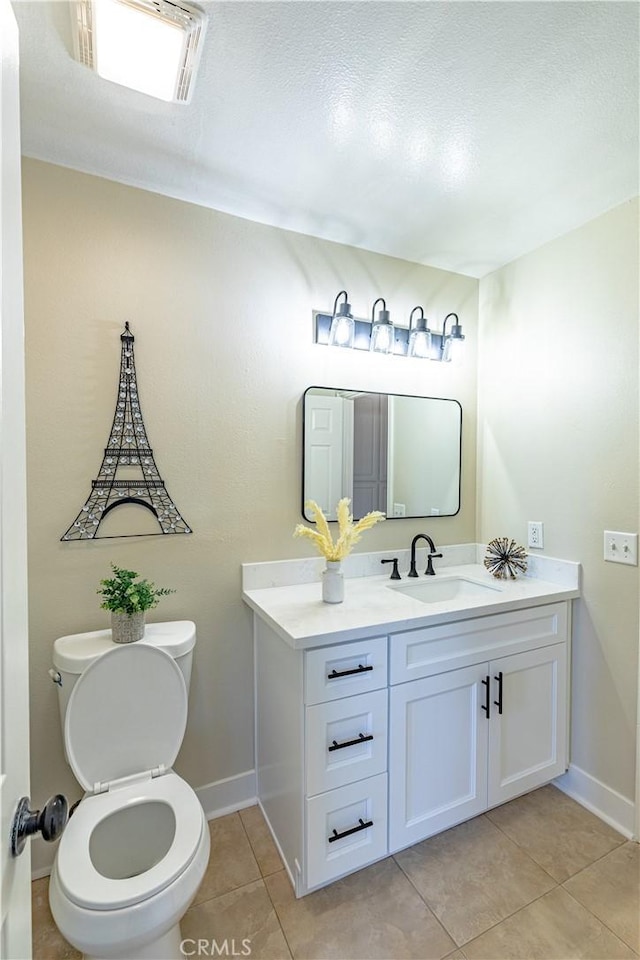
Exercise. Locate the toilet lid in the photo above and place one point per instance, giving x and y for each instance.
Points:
(127, 714)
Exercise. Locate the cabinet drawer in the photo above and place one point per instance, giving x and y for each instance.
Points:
(348, 668)
(451, 646)
(346, 740)
(357, 813)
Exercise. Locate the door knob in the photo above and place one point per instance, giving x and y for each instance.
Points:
(50, 822)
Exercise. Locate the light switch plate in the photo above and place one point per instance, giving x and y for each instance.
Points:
(621, 547)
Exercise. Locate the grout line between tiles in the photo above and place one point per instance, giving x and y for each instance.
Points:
(427, 905)
(246, 833)
(488, 813)
(555, 882)
(255, 855)
(623, 840)
(262, 877)
(514, 914)
(522, 849)
(599, 919)
(275, 910)
(597, 860)
(223, 893)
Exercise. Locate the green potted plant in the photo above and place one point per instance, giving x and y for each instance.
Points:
(128, 600)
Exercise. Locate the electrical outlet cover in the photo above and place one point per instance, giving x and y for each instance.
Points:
(535, 534)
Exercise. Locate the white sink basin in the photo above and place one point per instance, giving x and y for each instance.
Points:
(438, 589)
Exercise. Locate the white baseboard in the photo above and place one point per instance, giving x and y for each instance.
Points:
(606, 803)
(217, 799)
(229, 795)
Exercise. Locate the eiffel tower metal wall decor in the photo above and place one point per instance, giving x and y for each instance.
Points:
(128, 446)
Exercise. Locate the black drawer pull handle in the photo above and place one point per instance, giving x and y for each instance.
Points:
(486, 706)
(498, 702)
(347, 833)
(350, 743)
(348, 673)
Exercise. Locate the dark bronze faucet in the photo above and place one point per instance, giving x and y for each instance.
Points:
(429, 572)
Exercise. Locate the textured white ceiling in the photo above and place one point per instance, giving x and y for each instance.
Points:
(458, 134)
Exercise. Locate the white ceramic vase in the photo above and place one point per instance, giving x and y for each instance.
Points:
(333, 582)
(127, 627)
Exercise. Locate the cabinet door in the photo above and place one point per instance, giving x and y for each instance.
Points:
(437, 754)
(527, 740)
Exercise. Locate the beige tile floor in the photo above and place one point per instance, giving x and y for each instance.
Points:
(539, 877)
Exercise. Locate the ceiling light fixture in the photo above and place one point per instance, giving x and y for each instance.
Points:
(342, 329)
(152, 46)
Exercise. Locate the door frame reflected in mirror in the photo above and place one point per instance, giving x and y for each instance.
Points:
(363, 445)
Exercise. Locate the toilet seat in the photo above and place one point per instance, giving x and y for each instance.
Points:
(127, 714)
(79, 878)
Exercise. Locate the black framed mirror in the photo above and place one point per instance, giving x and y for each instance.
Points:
(391, 452)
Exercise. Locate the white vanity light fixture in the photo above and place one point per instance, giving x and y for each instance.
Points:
(419, 336)
(381, 329)
(152, 46)
(343, 326)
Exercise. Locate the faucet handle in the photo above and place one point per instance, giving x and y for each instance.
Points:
(430, 572)
(394, 573)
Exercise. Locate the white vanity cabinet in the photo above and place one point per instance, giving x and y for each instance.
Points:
(466, 738)
(366, 746)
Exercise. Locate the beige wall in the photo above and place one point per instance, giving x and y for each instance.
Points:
(221, 311)
(558, 442)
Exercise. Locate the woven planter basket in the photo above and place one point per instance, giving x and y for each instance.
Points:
(127, 627)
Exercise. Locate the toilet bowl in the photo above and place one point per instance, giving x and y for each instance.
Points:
(135, 851)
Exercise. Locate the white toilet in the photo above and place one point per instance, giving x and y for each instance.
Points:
(136, 849)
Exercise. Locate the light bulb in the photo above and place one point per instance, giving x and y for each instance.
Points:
(342, 332)
(343, 326)
(453, 350)
(381, 338)
(420, 344)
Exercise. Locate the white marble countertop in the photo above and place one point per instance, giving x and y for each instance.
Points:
(372, 605)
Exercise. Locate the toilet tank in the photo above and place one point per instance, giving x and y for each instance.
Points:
(73, 654)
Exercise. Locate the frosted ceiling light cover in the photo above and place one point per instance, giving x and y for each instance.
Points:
(152, 46)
